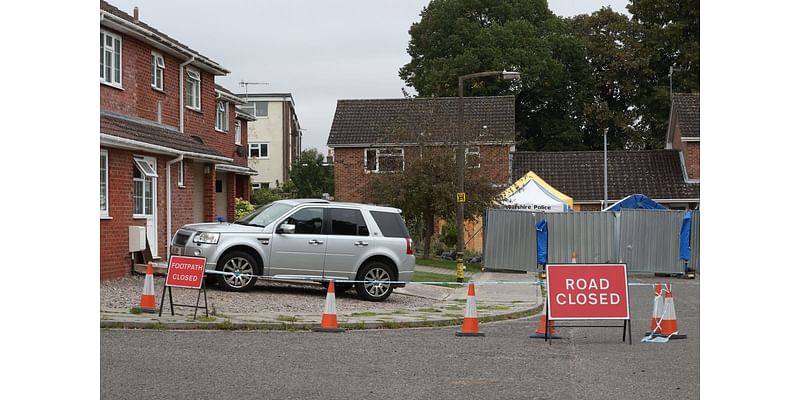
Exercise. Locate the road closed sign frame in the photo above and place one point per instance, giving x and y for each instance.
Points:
(587, 291)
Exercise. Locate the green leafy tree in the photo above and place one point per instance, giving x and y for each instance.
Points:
(263, 196)
(310, 177)
(426, 189)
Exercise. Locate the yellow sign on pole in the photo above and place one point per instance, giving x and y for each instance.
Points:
(461, 197)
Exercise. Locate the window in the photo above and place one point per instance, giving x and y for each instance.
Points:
(103, 183)
(237, 137)
(256, 108)
(222, 116)
(391, 224)
(180, 173)
(218, 186)
(348, 222)
(306, 221)
(261, 185)
(110, 58)
(158, 72)
(192, 89)
(259, 150)
(143, 174)
(383, 160)
(472, 156)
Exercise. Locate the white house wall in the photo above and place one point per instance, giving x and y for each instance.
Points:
(268, 129)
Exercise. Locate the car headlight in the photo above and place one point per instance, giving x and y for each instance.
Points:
(206, 237)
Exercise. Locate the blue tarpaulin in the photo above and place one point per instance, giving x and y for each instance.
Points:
(636, 201)
(686, 233)
(541, 242)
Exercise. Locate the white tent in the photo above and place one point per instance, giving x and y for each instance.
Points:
(532, 193)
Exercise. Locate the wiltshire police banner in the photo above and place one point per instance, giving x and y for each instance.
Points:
(587, 291)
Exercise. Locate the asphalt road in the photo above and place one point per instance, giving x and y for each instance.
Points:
(588, 363)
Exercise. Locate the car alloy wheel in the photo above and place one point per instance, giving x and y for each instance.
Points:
(377, 287)
(239, 272)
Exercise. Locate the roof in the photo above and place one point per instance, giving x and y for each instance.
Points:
(135, 27)
(142, 130)
(361, 123)
(687, 108)
(227, 94)
(657, 174)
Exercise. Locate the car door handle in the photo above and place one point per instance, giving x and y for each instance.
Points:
(315, 242)
(361, 243)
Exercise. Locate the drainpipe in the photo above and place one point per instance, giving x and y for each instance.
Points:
(180, 84)
(169, 201)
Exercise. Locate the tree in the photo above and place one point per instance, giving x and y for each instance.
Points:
(310, 176)
(426, 187)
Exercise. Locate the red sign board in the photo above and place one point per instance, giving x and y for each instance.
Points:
(587, 291)
(186, 272)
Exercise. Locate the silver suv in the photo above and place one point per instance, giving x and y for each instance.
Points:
(306, 240)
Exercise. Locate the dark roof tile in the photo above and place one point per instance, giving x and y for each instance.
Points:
(687, 108)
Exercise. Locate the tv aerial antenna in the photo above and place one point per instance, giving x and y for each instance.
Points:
(244, 84)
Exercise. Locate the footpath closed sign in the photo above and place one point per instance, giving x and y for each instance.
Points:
(186, 272)
(587, 291)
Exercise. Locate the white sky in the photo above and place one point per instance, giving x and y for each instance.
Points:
(319, 51)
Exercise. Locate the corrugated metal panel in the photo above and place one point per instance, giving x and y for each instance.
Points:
(509, 240)
(649, 240)
(694, 263)
(590, 234)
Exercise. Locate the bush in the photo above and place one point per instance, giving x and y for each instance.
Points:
(262, 196)
(243, 207)
(448, 235)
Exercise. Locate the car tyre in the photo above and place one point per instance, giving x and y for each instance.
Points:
(243, 268)
(378, 275)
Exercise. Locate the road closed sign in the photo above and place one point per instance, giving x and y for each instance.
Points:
(587, 291)
(186, 272)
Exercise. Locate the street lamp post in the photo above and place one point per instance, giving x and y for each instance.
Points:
(461, 196)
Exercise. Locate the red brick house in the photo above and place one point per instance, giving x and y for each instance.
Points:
(169, 149)
(370, 137)
(670, 176)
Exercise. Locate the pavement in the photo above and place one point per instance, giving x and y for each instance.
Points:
(498, 296)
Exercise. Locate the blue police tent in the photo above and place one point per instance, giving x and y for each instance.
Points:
(636, 201)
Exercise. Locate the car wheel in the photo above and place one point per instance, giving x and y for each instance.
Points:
(377, 276)
(240, 269)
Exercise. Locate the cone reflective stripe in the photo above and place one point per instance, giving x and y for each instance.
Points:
(470, 325)
(658, 310)
(147, 303)
(329, 315)
(540, 330)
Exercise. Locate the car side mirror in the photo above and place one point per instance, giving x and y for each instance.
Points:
(285, 228)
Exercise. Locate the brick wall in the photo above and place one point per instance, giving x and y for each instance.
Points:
(691, 155)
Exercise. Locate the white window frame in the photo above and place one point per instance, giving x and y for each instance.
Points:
(384, 153)
(148, 175)
(104, 180)
(181, 173)
(251, 106)
(193, 85)
(475, 152)
(222, 116)
(258, 147)
(237, 137)
(110, 74)
(158, 66)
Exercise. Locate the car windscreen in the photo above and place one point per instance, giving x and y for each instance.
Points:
(390, 223)
(265, 215)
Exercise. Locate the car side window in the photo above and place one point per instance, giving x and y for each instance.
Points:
(306, 221)
(348, 222)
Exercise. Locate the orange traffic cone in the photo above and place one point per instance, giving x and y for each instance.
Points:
(147, 303)
(470, 325)
(329, 315)
(574, 258)
(669, 323)
(658, 311)
(540, 330)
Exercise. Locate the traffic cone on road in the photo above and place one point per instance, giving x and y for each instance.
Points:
(147, 303)
(329, 315)
(669, 323)
(541, 332)
(574, 258)
(470, 325)
(658, 311)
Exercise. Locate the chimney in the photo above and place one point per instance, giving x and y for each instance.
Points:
(136, 14)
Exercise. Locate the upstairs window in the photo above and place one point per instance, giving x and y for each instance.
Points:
(256, 108)
(259, 150)
(472, 156)
(157, 81)
(384, 160)
(192, 89)
(237, 137)
(110, 58)
(222, 116)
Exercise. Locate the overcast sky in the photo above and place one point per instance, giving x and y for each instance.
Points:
(319, 51)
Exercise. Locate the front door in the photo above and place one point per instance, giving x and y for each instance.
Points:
(144, 197)
(221, 189)
(301, 252)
